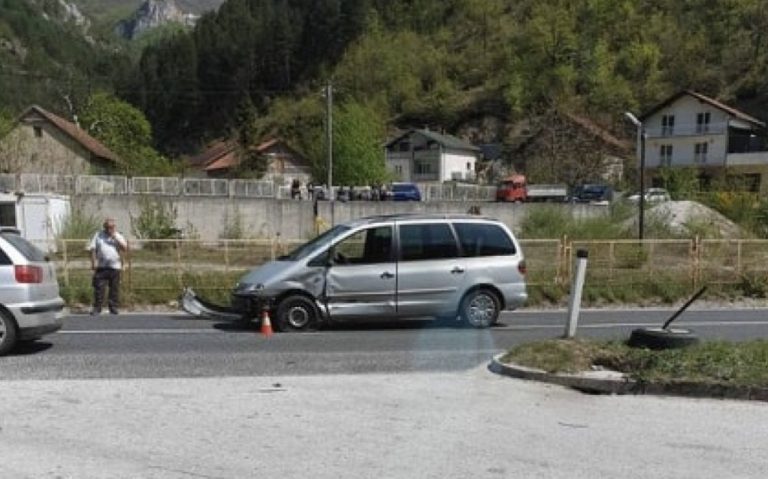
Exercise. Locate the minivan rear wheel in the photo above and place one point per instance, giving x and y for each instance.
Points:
(480, 308)
(296, 313)
(7, 333)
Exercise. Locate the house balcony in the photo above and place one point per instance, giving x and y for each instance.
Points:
(687, 130)
(752, 158)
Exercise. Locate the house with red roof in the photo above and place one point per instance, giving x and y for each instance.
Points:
(284, 164)
(692, 130)
(43, 142)
(564, 147)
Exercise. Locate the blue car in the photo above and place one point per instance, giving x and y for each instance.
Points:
(404, 192)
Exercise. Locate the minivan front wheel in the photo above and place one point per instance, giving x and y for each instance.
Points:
(7, 333)
(480, 308)
(296, 313)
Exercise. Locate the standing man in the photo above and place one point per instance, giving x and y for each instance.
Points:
(105, 248)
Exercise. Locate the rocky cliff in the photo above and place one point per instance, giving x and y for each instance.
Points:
(153, 14)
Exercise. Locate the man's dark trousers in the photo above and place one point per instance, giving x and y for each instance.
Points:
(102, 278)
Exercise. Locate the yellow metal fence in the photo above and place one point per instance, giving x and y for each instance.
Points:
(157, 270)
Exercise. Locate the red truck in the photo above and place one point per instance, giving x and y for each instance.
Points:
(515, 188)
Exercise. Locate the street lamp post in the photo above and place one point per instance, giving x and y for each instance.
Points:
(641, 152)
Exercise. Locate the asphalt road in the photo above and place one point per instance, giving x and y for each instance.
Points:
(175, 345)
(169, 397)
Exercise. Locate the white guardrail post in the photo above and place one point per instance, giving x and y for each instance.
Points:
(574, 303)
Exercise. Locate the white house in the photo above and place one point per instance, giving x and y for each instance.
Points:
(428, 156)
(692, 130)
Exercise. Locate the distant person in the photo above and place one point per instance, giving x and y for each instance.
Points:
(310, 191)
(296, 190)
(106, 247)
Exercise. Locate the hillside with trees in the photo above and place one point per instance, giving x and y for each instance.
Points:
(47, 57)
(484, 69)
(448, 64)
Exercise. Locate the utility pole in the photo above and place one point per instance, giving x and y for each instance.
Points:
(329, 142)
(641, 153)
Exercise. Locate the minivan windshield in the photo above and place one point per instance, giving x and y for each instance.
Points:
(315, 244)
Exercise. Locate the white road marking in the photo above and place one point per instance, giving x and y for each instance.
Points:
(508, 327)
(144, 331)
(523, 327)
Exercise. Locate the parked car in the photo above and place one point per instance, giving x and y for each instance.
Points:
(592, 193)
(29, 292)
(458, 267)
(404, 192)
(652, 195)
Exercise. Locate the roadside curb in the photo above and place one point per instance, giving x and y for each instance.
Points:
(614, 382)
(606, 382)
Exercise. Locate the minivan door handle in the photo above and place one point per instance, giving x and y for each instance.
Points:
(387, 275)
(457, 270)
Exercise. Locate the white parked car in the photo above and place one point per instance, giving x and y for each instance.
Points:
(30, 305)
(652, 195)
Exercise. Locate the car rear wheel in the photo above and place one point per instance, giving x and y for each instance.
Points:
(480, 308)
(7, 333)
(296, 313)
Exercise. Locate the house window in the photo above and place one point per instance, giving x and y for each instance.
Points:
(423, 167)
(700, 152)
(405, 146)
(665, 155)
(38, 132)
(668, 125)
(702, 122)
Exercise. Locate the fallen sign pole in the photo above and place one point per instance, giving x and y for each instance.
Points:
(574, 304)
(684, 307)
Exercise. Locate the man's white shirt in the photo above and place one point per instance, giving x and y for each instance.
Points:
(107, 249)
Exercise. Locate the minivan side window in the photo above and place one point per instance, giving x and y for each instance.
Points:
(480, 239)
(368, 246)
(427, 241)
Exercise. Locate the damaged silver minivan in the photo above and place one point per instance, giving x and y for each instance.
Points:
(458, 267)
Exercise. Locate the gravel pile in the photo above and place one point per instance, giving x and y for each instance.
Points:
(684, 216)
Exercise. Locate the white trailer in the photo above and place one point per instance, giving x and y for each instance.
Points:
(542, 192)
(38, 216)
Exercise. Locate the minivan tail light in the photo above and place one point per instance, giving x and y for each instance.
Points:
(522, 267)
(28, 274)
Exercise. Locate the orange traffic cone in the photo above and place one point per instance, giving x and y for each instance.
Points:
(266, 323)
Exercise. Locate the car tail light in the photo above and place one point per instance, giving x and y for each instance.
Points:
(28, 274)
(522, 267)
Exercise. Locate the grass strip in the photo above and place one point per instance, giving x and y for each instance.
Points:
(712, 363)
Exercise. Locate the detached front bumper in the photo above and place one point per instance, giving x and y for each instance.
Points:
(196, 306)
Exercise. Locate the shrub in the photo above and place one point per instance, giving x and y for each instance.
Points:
(79, 225)
(156, 220)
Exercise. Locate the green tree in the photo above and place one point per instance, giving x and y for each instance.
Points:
(358, 158)
(124, 130)
(682, 183)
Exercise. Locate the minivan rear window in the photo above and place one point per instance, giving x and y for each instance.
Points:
(427, 241)
(480, 239)
(27, 249)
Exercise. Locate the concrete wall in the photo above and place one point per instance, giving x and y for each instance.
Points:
(265, 218)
